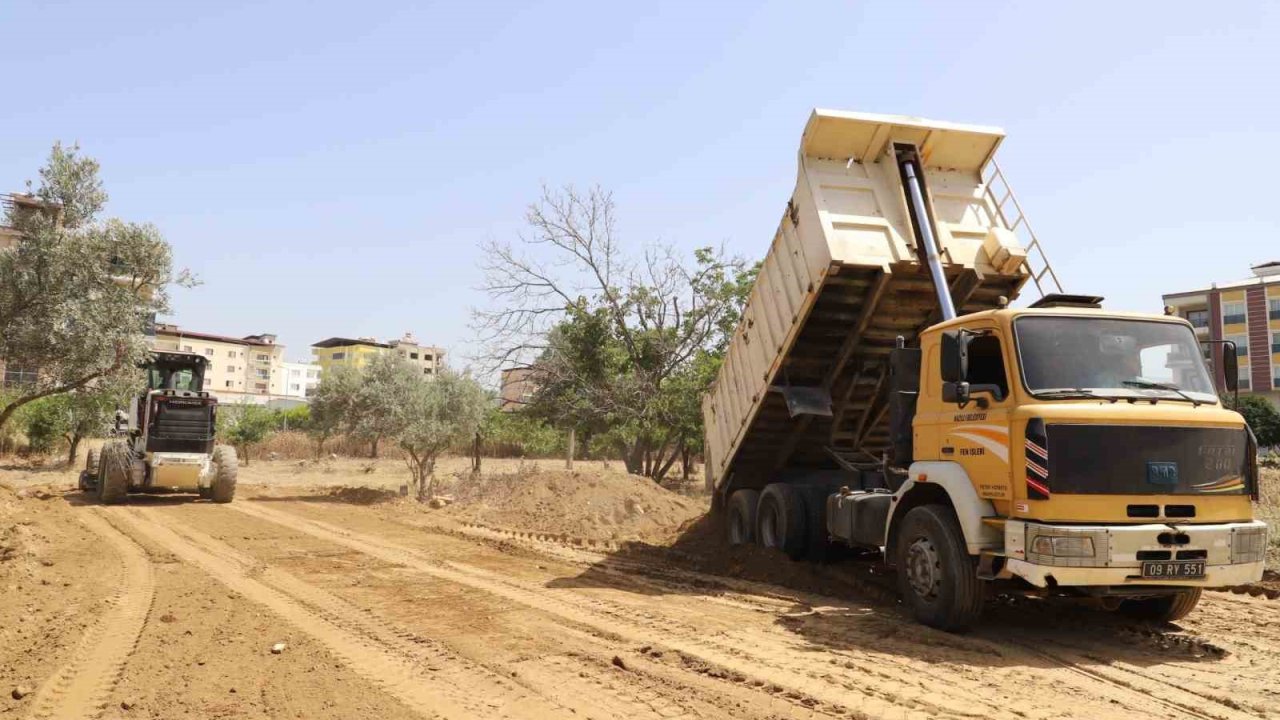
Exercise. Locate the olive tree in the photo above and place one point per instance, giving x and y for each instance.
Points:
(81, 413)
(245, 425)
(437, 414)
(76, 292)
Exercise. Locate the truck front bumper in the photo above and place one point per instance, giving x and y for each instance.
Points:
(1233, 553)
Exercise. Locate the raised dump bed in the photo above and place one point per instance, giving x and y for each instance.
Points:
(804, 382)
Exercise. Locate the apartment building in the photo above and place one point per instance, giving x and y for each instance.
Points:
(245, 369)
(517, 389)
(357, 352)
(300, 379)
(1246, 312)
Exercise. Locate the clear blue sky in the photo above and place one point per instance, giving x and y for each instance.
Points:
(330, 168)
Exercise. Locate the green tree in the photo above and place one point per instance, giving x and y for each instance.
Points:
(621, 346)
(1262, 416)
(245, 425)
(82, 413)
(366, 403)
(377, 411)
(437, 414)
(297, 418)
(76, 293)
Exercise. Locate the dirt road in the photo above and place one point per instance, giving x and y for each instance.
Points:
(166, 608)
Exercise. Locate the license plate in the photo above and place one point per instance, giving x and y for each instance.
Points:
(1173, 569)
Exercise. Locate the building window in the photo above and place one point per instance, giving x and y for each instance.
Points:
(1244, 377)
(231, 353)
(1275, 342)
(427, 357)
(208, 351)
(294, 387)
(1233, 313)
(1274, 308)
(426, 371)
(311, 374)
(260, 387)
(413, 356)
(263, 357)
(338, 356)
(263, 374)
(1198, 318)
(230, 383)
(1242, 344)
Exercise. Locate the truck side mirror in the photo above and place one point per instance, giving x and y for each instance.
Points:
(1230, 366)
(955, 366)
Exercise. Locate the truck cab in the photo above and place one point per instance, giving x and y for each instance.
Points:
(1081, 451)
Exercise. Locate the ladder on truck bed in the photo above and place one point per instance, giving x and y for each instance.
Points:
(1000, 194)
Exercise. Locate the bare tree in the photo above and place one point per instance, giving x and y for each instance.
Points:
(605, 331)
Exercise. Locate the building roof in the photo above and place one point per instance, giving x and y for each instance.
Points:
(1267, 273)
(346, 342)
(253, 340)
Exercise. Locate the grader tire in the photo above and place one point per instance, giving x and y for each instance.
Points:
(225, 468)
(91, 461)
(113, 473)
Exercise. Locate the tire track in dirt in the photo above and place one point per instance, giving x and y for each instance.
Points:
(769, 658)
(1179, 695)
(426, 677)
(79, 689)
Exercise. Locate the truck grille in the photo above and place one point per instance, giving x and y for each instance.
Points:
(1147, 460)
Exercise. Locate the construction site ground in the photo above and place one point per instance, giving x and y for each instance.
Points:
(321, 592)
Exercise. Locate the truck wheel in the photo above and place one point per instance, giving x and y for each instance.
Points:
(1166, 608)
(780, 520)
(936, 577)
(225, 468)
(741, 523)
(113, 473)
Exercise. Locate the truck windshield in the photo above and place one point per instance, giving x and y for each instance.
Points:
(1111, 357)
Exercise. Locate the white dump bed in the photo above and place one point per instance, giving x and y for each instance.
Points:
(842, 281)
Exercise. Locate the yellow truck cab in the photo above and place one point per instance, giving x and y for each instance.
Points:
(880, 392)
(1081, 450)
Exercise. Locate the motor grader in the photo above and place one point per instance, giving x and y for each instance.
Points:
(164, 441)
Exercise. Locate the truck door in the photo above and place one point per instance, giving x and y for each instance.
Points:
(977, 434)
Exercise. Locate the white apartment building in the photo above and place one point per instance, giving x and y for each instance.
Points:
(299, 379)
(248, 369)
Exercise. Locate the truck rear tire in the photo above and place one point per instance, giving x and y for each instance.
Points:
(936, 577)
(780, 520)
(741, 521)
(113, 473)
(226, 466)
(1166, 608)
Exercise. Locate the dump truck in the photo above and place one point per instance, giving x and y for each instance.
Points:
(164, 441)
(881, 392)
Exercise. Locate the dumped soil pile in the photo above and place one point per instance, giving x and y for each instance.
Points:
(593, 505)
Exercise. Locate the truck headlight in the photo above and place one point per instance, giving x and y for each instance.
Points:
(1063, 546)
(1248, 545)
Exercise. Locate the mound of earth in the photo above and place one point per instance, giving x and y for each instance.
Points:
(592, 505)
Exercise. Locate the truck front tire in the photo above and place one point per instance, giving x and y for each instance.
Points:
(741, 521)
(1165, 608)
(936, 577)
(780, 520)
(113, 473)
(226, 466)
